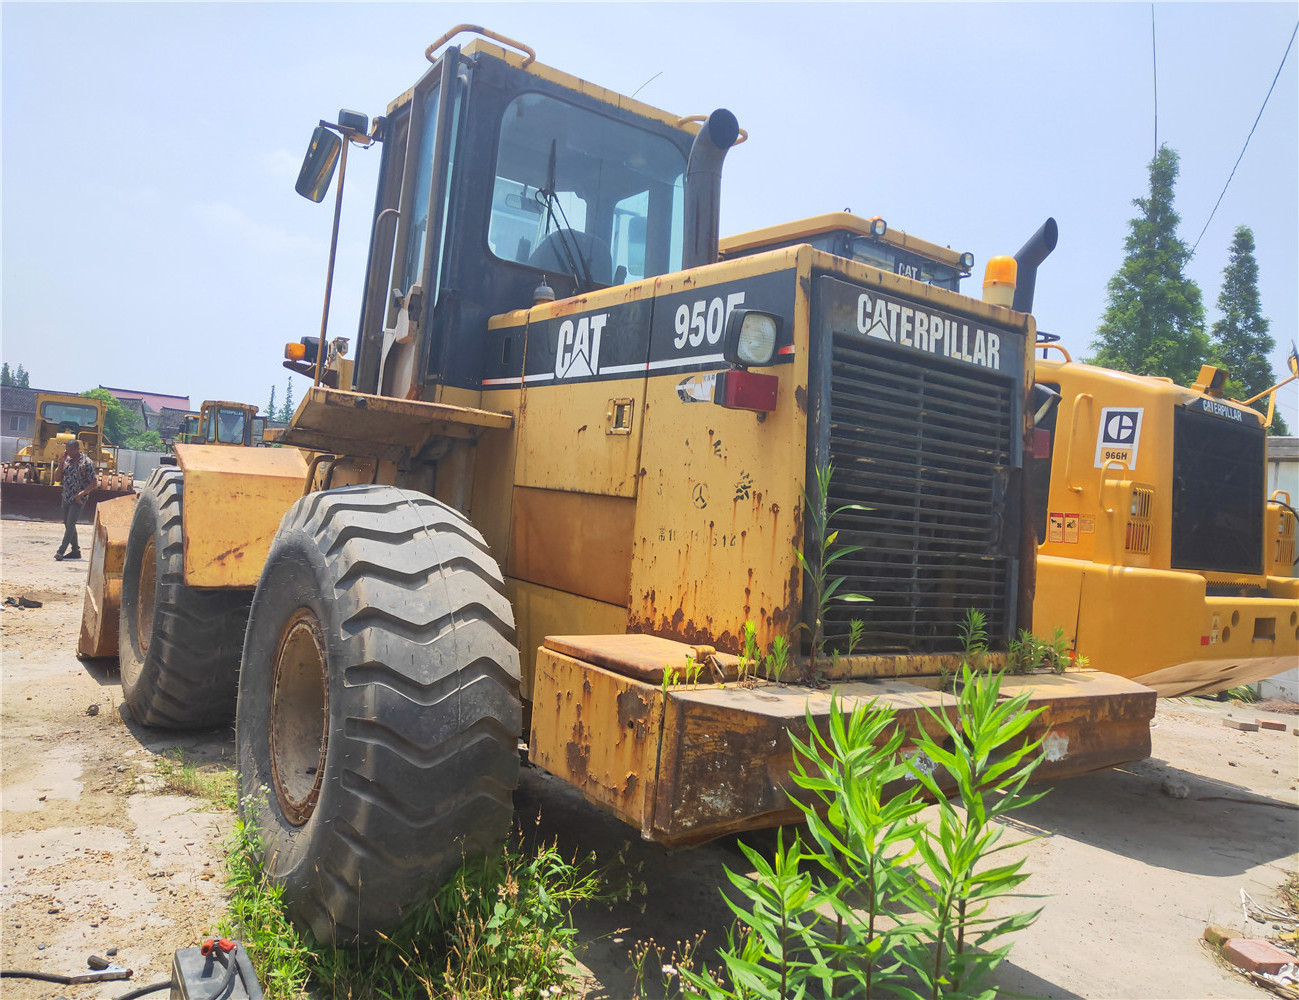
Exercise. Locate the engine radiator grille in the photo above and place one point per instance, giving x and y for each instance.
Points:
(927, 446)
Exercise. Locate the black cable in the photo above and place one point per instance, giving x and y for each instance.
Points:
(1247, 138)
(151, 988)
(44, 977)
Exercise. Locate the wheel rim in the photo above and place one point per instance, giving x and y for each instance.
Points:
(144, 600)
(299, 717)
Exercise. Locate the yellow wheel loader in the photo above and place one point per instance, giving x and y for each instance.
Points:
(221, 422)
(32, 484)
(561, 495)
(1161, 554)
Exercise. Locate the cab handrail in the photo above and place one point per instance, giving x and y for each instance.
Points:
(486, 33)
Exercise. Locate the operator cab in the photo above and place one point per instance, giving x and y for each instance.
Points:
(499, 179)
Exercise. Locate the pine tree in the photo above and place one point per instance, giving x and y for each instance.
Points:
(271, 412)
(1240, 338)
(6, 377)
(21, 378)
(1154, 318)
(286, 414)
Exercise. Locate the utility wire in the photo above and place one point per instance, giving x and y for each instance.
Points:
(1154, 73)
(1247, 138)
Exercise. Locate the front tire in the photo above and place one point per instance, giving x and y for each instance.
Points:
(179, 647)
(379, 712)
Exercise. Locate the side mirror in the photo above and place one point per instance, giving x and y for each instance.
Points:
(319, 163)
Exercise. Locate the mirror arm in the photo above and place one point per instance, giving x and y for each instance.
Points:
(333, 251)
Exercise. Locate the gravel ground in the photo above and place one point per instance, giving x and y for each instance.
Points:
(95, 855)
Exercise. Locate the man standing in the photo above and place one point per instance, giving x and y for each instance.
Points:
(78, 480)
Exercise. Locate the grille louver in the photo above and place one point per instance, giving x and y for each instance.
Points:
(927, 446)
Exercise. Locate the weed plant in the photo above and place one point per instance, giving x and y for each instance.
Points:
(823, 588)
(218, 785)
(876, 902)
(501, 928)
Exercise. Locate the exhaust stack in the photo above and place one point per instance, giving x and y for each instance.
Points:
(1030, 255)
(703, 188)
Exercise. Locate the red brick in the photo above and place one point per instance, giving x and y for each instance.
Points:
(1256, 956)
(1244, 727)
(1271, 724)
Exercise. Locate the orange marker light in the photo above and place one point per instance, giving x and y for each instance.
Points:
(297, 352)
(999, 281)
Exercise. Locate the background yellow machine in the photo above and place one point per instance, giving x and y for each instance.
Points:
(564, 476)
(1161, 556)
(31, 484)
(221, 422)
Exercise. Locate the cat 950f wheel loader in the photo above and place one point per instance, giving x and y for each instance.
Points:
(561, 494)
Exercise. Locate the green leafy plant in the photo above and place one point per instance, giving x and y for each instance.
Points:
(500, 928)
(1024, 653)
(876, 900)
(1057, 651)
(1244, 694)
(823, 587)
(669, 680)
(778, 658)
(983, 755)
(693, 670)
(751, 656)
(974, 637)
(256, 916)
(856, 629)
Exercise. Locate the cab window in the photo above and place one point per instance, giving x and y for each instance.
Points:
(70, 413)
(585, 196)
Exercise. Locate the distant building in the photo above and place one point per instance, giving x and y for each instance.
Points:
(168, 422)
(155, 401)
(18, 410)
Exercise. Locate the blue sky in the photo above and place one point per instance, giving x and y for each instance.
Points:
(152, 238)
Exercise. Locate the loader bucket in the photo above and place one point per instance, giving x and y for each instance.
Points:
(34, 502)
(103, 598)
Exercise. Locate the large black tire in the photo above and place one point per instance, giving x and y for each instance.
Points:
(379, 711)
(179, 648)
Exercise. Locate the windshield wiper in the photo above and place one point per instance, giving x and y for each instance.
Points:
(578, 266)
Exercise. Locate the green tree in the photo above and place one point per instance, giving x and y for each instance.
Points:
(120, 424)
(21, 378)
(146, 441)
(271, 412)
(1240, 339)
(6, 376)
(286, 414)
(1154, 317)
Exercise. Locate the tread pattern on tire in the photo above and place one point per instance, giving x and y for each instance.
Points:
(425, 714)
(189, 677)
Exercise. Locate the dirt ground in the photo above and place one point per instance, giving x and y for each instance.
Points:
(96, 856)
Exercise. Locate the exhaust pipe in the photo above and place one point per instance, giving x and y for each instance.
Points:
(1031, 254)
(703, 188)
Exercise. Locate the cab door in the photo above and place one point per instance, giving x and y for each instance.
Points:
(404, 282)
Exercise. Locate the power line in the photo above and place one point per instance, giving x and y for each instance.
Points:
(1247, 138)
(1154, 72)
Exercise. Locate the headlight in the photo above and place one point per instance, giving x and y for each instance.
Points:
(751, 338)
(878, 227)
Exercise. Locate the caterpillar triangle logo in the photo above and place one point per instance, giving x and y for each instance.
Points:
(577, 352)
